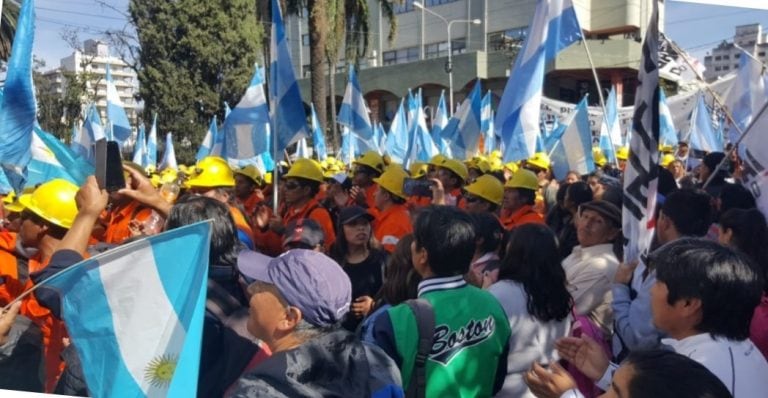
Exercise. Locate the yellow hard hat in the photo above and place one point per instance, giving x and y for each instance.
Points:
(495, 154)
(437, 160)
(307, 169)
(487, 187)
(456, 167)
(479, 163)
(512, 166)
(210, 172)
(496, 164)
(524, 179)
(11, 203)
(371, 159)
(418, 169)
(268, 177)
(598, 156)
(622, 153)
(540, 160)
(331, 170)
(252, 172)
(53, 201)
(666, 149)
(666, 159)
(392, 180)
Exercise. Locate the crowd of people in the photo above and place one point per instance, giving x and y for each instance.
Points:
(449, 278)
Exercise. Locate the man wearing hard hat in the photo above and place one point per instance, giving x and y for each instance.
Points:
(393, 220)
(519, 198)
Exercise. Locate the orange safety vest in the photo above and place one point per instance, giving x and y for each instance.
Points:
(523, 215)
(391, 225)
(313, 210)
(119, 219)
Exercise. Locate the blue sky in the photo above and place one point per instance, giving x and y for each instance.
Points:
(696, 28)
(88, 16)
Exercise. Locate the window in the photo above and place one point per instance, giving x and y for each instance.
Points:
(305, 40)
(736, 66)
(503, 40)
(737, 56)
(305, 71)
(401, 56)
(717, 58)
(717, 69)
(726, 57)
(726, 67)
(761, 54)
(436, 50)
(407, 6)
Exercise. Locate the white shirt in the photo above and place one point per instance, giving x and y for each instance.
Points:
(590, 273)
(532, 340)
(738, 364)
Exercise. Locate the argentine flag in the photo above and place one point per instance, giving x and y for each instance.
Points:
(353, 112)
(397, 140)
(169, 156)
(140, 148)
(610, 130)
(135, 314)
(152, 145)
(554, 27)
(52, 159)
(88, 134)
(209, 142)
(575, 149)
(118, 120)
(318, 136)
(667, 131)
(463, 130)
(245, 130)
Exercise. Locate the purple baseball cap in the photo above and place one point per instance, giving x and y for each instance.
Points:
(308, 280)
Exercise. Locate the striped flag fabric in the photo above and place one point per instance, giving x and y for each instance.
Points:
(421, 147)
(353, 112)
(641, 172)
(120, 128)
(748, 94)
(245, 129)
(463, 130)
(755, 160)
(209, 141)
(152, 144)
(702, 136)
(91, 131)
(668, 133)
(52, 159)
(553, 28)
(439, 121)
(19, 107)
(289, 121)
(140, 148)
(135, 314)
(397, 140)
(610, 130)
(318, 136)
(302, 152)
(169, 156)
(575, 149)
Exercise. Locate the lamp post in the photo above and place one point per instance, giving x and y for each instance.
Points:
(449, 62)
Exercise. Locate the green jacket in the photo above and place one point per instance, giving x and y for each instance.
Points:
(470, 343)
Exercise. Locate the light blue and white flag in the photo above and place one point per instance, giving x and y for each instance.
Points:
(302, 152)
(439, 121)
(485, 122)
(702, 134)
(318, 136)
(755, 159)
(610, 129)
(135, 314)
(348, 148)
(574, 151)
(140, 148)
(19, 107)
(554, 136)
(397, 139)
(382, 138)
(553, 28)
(421, 147)
(667, 131)
(353, 112)
(91, 131)
(289, 121)
(210, 141)
(748, 94)
(152, 144)
(52, 159)
(169, 156)
(227, 109)
(118, 120)
(463, 130)
(245, 129)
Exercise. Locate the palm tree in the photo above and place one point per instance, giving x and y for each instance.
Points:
(10, 15)
(325, 24)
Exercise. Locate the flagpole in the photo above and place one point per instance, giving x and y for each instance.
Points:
(600, 96)
(735, 145)
(275, 169)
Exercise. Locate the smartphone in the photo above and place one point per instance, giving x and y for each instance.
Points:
(109, 166)
(417, 187)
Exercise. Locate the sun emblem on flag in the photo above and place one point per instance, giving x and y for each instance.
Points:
(159, 371)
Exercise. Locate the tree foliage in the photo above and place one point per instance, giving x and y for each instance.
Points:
(192, 56)
(8, 19)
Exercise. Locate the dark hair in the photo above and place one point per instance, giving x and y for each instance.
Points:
(488, 228)
(666, 182)
(735, 196)
(401, 281)
(532, 259)
(666, 374)
(340, 247)
(314, 186)
(447, 234)
(579, 192)
(528, 195)
(728, 284)
(689, 210)
(224, 242)
(750, 235)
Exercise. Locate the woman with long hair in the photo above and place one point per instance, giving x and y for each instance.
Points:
(532, 290)
(356, 250)
(747, 231)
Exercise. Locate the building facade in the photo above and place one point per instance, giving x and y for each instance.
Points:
(417, 58)
(94, 60)
(725, 58)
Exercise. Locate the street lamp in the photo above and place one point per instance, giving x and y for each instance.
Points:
(449, 62)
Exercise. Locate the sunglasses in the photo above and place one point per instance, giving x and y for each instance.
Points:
(292, 185)
(471, 199)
